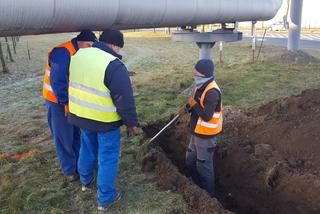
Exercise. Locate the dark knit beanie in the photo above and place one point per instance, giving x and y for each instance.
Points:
(205, 67)
(87, 35)
(112, 36)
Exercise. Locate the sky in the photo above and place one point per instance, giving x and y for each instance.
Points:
(310, 14)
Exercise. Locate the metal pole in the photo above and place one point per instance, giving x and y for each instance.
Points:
(254, 39)
(264, 36)
(220, 52)
(295, 25)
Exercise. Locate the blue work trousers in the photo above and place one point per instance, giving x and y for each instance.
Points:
(199, 161)
(66, 138)
(100, 150)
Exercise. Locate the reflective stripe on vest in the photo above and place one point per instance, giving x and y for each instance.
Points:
(47, 91)
(214, 126)
(89, 98)
(47, 87)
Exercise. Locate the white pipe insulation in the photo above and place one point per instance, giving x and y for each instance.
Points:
(28, 17)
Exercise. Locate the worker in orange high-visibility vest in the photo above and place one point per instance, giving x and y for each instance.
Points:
(55, 92)
(205, 124)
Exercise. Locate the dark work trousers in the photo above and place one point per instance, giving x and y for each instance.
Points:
(199, 161)
(66, 138)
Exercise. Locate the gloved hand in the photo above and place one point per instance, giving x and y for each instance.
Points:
(132, 131)
(66, 110)
(191, 102)
(185, 109)
(188, 108)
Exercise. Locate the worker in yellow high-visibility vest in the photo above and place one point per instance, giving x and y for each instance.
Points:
(101, 100)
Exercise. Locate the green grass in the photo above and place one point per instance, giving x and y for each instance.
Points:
(163, 70)
(252, 85)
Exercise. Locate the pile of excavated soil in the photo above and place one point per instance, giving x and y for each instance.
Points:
(276, 156)
(267, 161)
(295, 57)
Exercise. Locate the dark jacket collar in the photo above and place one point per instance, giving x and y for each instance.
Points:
(75, 44)
(104, 47)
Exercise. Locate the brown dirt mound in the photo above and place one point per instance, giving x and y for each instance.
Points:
(295, 57)
(276, 156)
(267, 160)
(290, 126)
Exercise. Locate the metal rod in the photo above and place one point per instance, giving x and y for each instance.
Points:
(164, 128)
(264, 35)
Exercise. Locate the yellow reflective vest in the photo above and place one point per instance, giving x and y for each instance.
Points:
(89, 98)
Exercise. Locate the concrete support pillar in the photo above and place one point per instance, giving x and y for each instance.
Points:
(207, 40)
(295, 25)
(205, 50)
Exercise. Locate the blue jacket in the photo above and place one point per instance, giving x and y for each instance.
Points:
(59, 76)
(118, 82)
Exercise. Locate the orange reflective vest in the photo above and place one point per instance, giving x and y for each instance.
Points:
(213, 126)
(47, 91)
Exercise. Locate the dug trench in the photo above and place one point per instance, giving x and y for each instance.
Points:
(267, 159)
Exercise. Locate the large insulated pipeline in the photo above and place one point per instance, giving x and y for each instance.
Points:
(28, 17)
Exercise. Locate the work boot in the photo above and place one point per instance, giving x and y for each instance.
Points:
(73, 177)
(88, 187)
(107, 206)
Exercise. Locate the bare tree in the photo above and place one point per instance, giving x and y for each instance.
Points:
(29, 54)
(14, 44)
(5, 69)
(8, 50)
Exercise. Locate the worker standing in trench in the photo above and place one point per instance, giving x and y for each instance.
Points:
(205, 123)
(101, 100)
(55, 92)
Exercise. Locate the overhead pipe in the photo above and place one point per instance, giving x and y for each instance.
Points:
(21, 17)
